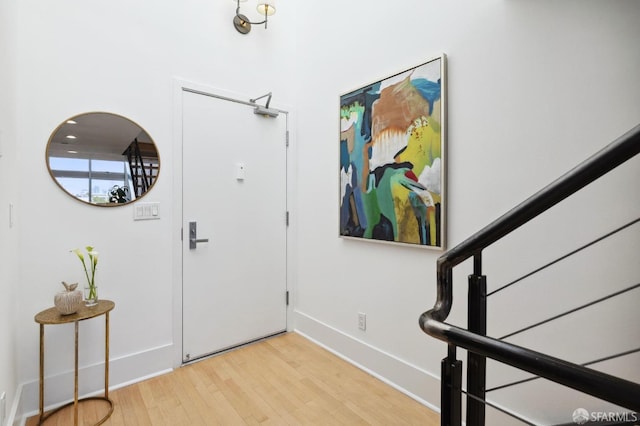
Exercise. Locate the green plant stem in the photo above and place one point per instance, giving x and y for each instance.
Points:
(90, 282)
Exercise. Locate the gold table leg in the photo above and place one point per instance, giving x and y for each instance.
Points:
(75, 380)
(106, 356)
(41, 384)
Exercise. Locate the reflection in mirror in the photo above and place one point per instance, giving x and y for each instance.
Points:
(102, 159)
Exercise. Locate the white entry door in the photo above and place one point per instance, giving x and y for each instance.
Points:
(234, 190)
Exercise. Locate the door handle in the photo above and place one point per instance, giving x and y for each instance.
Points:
(193, 236)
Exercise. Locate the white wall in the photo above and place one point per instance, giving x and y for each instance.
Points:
(120, 57)
(8, 195)
(534, 88)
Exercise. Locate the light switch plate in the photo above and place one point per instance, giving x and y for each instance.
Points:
(146, 211)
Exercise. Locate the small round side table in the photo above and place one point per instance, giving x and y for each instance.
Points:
(51, 316)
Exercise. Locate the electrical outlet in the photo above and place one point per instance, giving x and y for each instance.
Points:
(3, 407)
(362, 321)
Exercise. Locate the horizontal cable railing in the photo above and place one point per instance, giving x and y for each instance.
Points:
(561, 258)
(606, 387)
(498, 408)
(570, 311)
(586, 364)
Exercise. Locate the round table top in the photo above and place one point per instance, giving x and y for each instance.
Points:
(53, 316)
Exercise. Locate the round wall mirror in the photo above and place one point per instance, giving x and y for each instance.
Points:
(102, 159)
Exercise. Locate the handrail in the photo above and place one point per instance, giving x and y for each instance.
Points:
(616, 153)
(580, 378)
(604, 386)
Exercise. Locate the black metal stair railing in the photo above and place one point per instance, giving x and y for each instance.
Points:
(479, 346)
(142, 175)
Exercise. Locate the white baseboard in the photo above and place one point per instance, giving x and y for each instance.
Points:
(407, 378)
(413, 381)
(15, 408)
(123, 371)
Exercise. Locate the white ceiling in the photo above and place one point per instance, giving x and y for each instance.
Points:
(98, 135)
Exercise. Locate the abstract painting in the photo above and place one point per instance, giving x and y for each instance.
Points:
(392, 143)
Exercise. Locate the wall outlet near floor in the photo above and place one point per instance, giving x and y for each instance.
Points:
(362, 321)
(3, 407)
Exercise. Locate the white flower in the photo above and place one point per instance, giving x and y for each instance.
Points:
(93, 265)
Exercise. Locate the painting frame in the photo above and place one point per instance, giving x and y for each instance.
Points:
(392, 158)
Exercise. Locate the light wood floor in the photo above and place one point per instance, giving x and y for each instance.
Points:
(284, 380)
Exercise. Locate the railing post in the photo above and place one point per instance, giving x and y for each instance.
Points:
(451, 390)
(476, 364)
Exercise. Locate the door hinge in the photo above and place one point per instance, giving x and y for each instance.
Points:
(287, 218)
(287, 139)
(287, 297)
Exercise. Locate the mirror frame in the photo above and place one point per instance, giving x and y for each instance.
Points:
(97, 135)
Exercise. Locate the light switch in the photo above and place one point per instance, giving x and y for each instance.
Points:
(240, 169)
(146, 211)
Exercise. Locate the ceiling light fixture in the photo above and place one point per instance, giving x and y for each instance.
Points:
(241, 23)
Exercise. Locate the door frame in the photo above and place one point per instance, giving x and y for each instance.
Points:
(179, 87)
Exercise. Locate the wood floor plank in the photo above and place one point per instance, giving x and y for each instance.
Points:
(284, 380)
